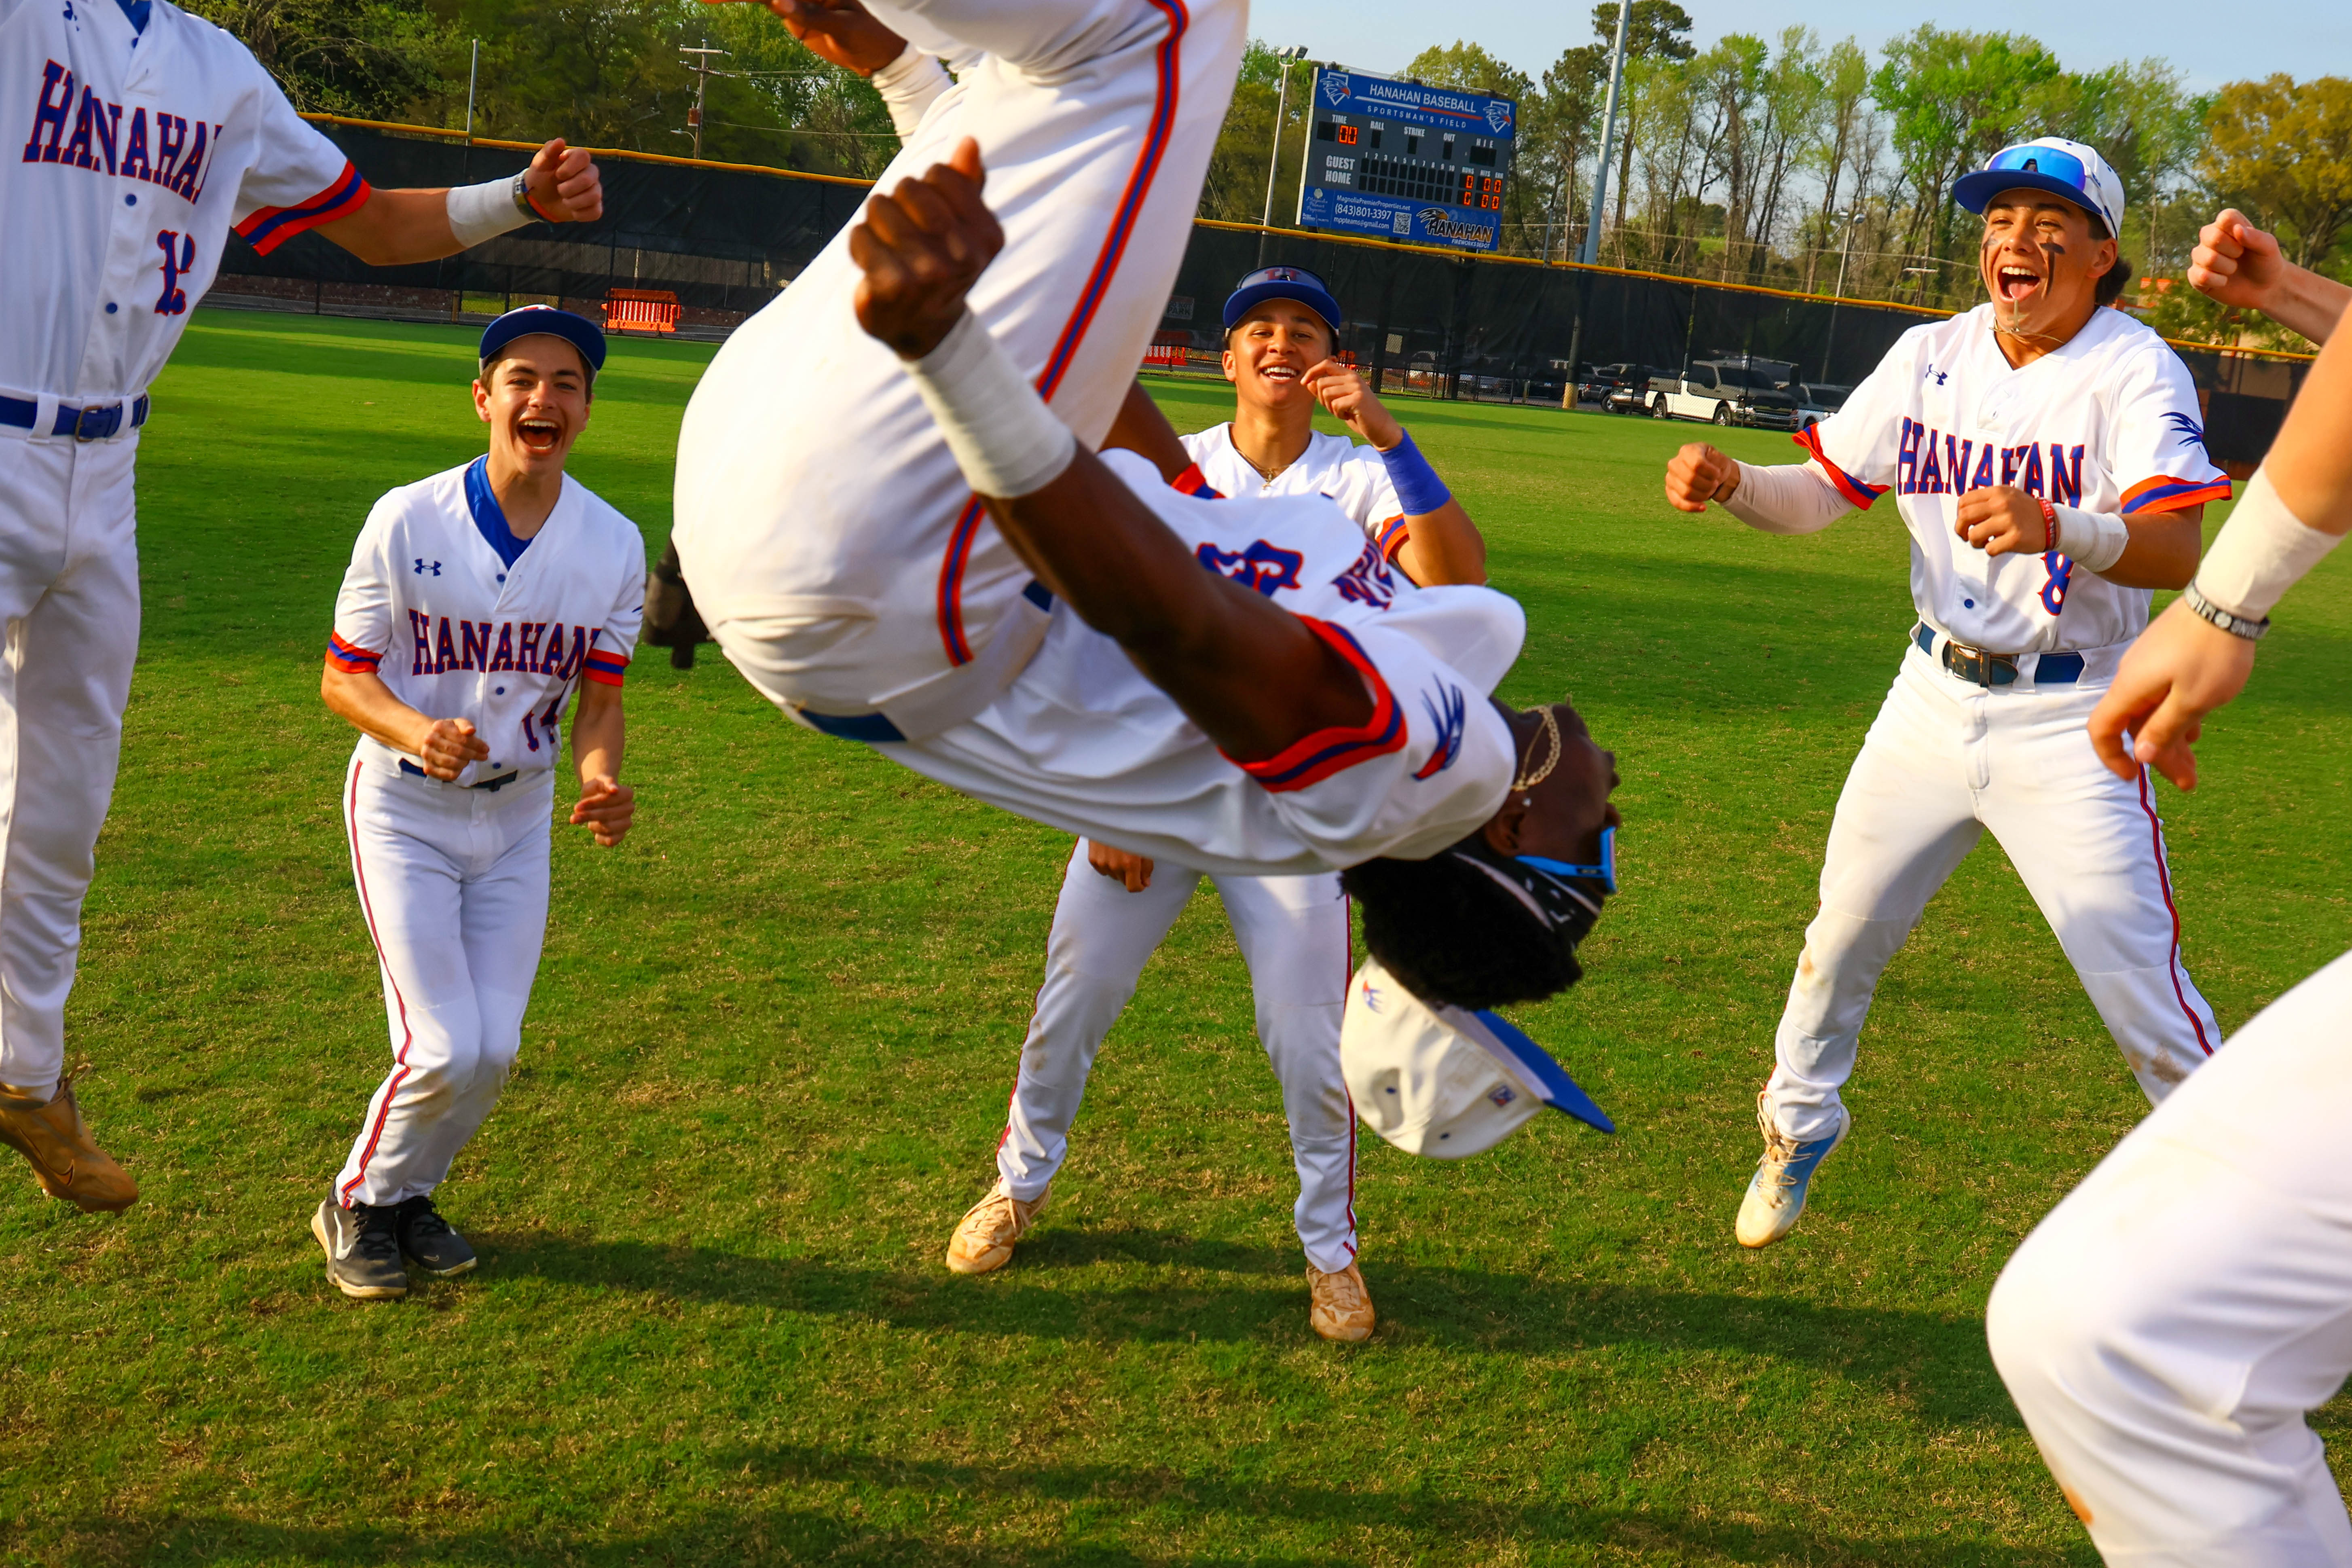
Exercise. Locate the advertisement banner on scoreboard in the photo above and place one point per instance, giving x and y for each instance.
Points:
(1409, 163)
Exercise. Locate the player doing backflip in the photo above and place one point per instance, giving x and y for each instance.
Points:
(2045, 454)
(1281, 332)
(478, 602)
(2168, 1328)
(900, 542)
(147, 133)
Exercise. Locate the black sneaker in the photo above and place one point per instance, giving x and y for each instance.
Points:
(362, 1253)
(428, 1240)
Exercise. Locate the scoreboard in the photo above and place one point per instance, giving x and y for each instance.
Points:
(1391, 158)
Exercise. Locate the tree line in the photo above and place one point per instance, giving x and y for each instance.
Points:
(1785, 161)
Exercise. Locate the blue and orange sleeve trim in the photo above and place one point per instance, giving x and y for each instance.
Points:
(605, 667)
(1314, 758)
(273, 226)
(1853, 489)
(1193, 482)
(2164, 493)
(350, 657)
(1392, 536)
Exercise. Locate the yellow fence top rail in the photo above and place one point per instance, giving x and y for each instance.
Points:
(1925, 310)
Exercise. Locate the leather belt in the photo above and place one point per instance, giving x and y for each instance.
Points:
(92, 422)
(1978, 667)
(493, 786)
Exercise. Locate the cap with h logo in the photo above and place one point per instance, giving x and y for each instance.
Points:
(1282, 283)
(2052, 163)
(1443, 1081)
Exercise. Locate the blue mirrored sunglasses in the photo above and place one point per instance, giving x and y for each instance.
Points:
(1605, 872)
(2033, 158)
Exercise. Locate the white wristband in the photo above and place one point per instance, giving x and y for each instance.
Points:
(2263, 551)
(1004, 439)
(2094, 539)
(909, 84)
(477, 213)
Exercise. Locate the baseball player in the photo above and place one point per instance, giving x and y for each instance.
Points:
(1281, 328)
(903, 546)
(478, 601)
(2046, 456)
(2167, 1329)
(147, 133)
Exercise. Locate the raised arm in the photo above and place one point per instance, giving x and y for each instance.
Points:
(1785, 497)
(393, 229)
(2199, 652)
(1442, 544)
(1254, 678)
(2237, 264)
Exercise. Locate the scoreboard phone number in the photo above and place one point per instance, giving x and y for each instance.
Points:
(1413, 176)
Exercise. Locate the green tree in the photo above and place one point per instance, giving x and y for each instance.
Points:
(1954, 98)
(371, 60)
(1235, 190)
(1654, 30)
(1847, 126)
(2283, 151)
(1556, 135)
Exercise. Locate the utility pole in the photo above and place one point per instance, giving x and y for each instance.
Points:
(1273, 158)
(700, 66)
(473, 74)
(1591, 253)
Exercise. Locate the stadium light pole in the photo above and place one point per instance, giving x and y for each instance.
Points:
(700, 66)
(473, 74)
(1273, 158)
(1852, 220)
(1590, 254)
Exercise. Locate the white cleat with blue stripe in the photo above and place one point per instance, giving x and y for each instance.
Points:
(1776, 1196)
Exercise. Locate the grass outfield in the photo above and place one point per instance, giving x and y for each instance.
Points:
(767, 1058)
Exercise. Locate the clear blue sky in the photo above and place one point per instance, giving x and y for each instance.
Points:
(2211, 43)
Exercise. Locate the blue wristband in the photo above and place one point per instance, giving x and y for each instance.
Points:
(1419, 490)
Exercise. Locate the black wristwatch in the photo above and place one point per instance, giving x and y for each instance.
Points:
(2236, 625)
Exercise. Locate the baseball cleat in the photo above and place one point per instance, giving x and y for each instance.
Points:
(984, 1239)
(1337, 1305)
(363, 1250)
(429, 1241)
(1776, 1195)
(65, 1159)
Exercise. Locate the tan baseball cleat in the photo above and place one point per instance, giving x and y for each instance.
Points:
(65, 1159)
(1339, 1307)
(984, 1239)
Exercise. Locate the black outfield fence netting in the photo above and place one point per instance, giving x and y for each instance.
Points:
(722, 238)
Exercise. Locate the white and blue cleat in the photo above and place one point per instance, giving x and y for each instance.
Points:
(1776, 1196)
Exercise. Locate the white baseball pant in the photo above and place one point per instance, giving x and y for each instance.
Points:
(1293, 932)
(70, 598)
(834, 546)
(453, 886)
(1944, 761)
(2167, 1329)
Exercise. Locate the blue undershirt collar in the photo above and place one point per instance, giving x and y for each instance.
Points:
(483, 502)
(138, 11)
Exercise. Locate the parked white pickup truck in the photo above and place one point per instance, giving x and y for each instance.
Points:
(1723, 394)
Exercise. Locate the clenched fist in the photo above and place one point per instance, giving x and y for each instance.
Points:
(920, 249)
(564, 184)
(2001, 520)
(1700, 474)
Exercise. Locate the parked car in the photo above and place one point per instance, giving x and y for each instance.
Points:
(1723, 394)
(1816, 401)
(1629, 390)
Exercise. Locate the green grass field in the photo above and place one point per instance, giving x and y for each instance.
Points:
(767, 1059)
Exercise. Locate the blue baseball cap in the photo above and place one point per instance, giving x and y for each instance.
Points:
(525, 320)
(1282, 283)
(2052, 163)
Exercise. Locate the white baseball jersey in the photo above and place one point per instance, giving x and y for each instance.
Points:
(463, 621)
(1083, 742)
(1332, 466)
(2108, 423)
(141, 149)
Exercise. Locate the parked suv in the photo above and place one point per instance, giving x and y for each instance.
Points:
(1723, 393)
(1816, 401)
